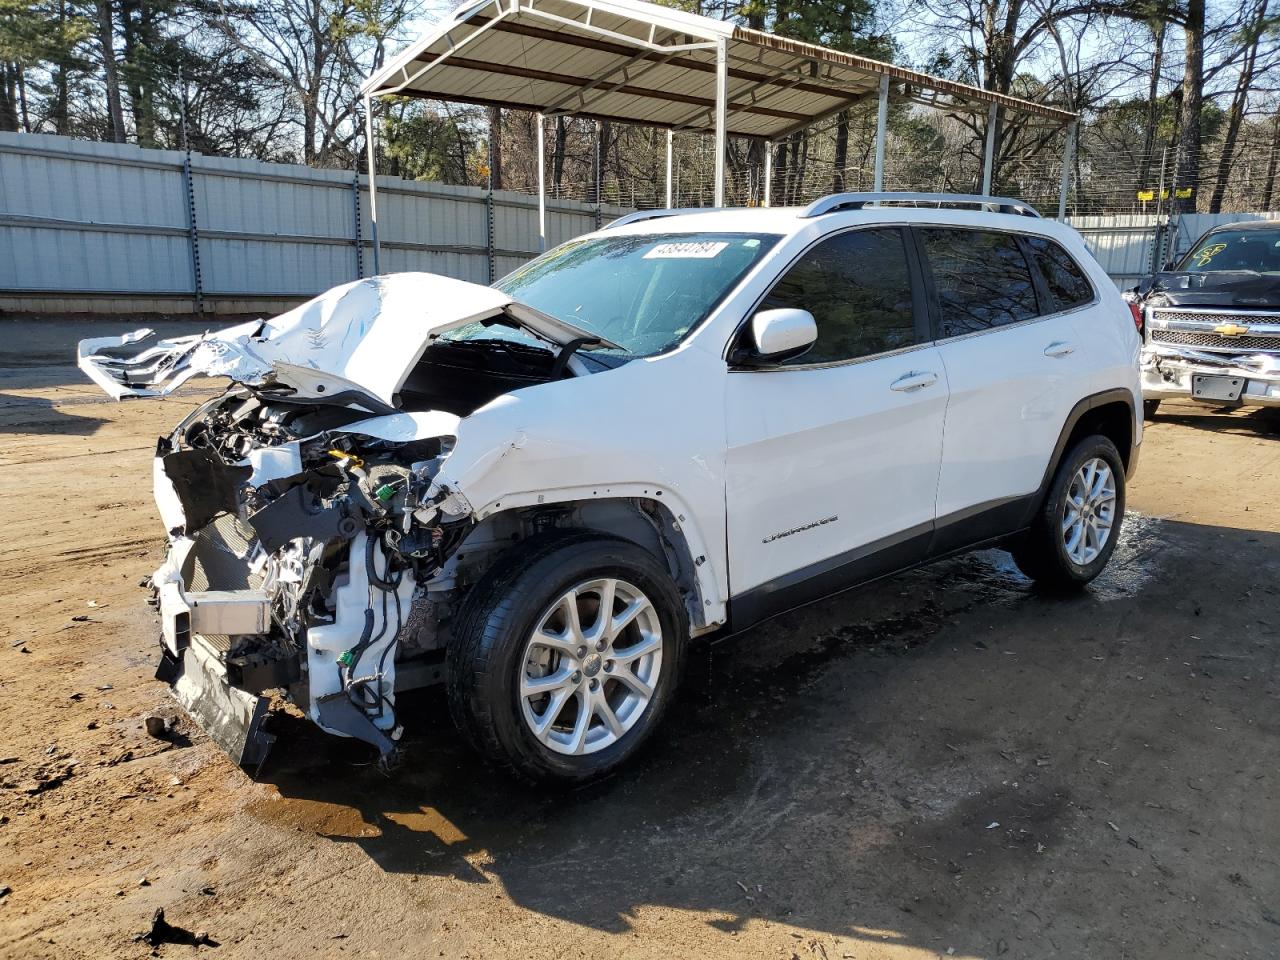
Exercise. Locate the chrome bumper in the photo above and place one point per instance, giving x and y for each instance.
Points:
(1167, 374)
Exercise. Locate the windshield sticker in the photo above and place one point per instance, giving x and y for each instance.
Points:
(1208, 253)
(687, 250)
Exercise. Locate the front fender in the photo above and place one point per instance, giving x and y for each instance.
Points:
(651, 429)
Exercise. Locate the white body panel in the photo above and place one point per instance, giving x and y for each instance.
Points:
(651, 429)
(1011, 390)
(823, 461)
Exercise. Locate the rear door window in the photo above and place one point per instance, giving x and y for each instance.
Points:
(1064, 280)
(980, 278)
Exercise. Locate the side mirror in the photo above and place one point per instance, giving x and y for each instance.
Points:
(782, 333)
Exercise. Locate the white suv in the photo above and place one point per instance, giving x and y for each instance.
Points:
(540, 492)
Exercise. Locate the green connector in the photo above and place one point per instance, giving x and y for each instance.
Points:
(385, 492)
(346, 659)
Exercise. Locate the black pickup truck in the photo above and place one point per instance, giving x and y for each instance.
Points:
(1211, 322)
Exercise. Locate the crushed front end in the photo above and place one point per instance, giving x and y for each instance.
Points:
(302, 539)
(1228, 357)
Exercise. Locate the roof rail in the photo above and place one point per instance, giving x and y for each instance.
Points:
(640, 215)
(856, 201)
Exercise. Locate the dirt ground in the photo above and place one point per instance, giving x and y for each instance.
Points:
(944, 764)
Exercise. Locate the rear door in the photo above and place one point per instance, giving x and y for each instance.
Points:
(1015, 367)
(833, 456)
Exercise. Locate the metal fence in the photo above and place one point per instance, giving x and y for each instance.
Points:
(1130, 246)
(92, 227)
(104, 227)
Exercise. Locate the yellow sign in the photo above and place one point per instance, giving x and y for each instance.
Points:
(1183, 193)
(1230, 330)
(1145, 195)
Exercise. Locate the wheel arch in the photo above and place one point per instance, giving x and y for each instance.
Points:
(1111, 413)
(647, 517)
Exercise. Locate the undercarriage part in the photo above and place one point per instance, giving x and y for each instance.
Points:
(232, 718)
(422, 631)
(263, 670)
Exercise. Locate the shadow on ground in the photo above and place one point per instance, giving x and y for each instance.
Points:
(946, 758)
(40, 415)
(1244, 421)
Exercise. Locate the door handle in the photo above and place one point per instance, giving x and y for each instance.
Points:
(916, 380)
(1059, 348)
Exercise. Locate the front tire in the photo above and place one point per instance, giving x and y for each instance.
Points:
(541, 681)
(1075, 531)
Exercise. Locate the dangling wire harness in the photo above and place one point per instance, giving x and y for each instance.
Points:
(366, 691)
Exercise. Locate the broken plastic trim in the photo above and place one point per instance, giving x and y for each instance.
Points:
(232, 718)
(338, 712)
(291, 515)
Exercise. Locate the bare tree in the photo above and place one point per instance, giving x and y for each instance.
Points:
(320, 50)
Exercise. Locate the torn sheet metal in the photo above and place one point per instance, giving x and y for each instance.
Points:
(368, 333)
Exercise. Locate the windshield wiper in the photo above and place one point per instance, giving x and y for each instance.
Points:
(567, 351)
(510, 346)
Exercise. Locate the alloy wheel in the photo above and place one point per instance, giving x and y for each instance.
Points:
(1089, 511)
(591, 666)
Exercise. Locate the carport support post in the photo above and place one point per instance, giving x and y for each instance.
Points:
(1068, 157)
(882, 124)
(722, 115)
(988, 154)
(768, 173)
(670, 136)
(542, 189)
(373, 186)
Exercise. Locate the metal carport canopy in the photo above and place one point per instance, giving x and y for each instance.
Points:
(635, 62)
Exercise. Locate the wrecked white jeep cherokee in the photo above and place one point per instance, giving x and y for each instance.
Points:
(538, 493)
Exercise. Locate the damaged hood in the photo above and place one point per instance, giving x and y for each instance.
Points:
(363, 338)
(1238, 289)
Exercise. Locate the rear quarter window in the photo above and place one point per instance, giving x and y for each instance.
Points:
(1064, 279)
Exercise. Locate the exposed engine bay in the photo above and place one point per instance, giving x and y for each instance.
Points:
(312, 541)
(325, 537)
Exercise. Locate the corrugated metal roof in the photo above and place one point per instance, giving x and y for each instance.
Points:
(637, 62)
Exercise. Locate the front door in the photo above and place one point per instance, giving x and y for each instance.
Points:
(833, 456)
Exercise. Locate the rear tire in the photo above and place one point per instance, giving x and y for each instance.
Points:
(544, 685)
(1076, 529)
(1149, 408)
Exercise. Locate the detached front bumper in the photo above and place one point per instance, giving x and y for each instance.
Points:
(195, 664)
(1169, 373)
(232, 717)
